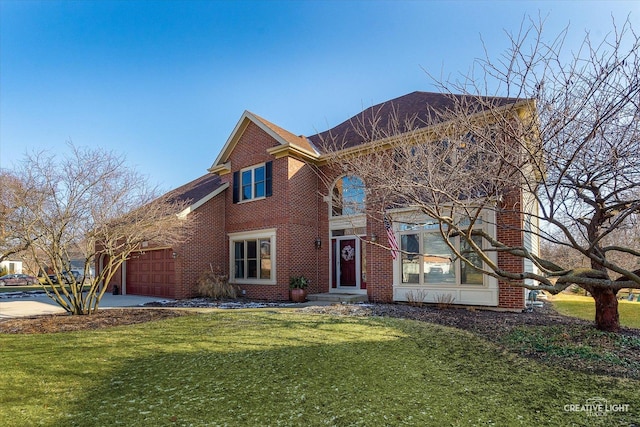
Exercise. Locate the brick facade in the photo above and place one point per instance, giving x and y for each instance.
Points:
(299, 213)
(509, 223)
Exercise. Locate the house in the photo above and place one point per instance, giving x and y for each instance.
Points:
(11, 267)
(264, 214)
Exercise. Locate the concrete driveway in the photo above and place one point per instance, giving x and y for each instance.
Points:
(38, 304)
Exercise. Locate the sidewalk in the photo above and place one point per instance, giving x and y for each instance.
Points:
(38, 304)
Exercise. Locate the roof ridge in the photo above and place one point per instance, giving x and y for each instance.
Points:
(288, 136)
(416, 106)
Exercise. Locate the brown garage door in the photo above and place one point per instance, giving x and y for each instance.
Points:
(151, 273)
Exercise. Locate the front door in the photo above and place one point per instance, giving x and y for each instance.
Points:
(348, 263)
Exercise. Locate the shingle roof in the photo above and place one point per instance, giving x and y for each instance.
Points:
(287, 136)
(197, 189)
(419, 106)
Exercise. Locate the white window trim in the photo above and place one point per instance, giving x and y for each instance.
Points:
(253, 235)
(488, 226)
(253, 183)
(480, 295)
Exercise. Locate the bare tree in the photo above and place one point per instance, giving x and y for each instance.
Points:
(87, 206)
(545, 135)
(11, 243)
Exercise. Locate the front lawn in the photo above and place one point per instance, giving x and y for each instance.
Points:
(584, 308)
(277, 367)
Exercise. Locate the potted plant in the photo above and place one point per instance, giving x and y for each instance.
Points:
(298, 288)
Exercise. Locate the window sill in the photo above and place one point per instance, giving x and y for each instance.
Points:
(241, 202)
(252, 282)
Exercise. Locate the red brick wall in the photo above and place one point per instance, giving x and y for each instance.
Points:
(302, 193)
(299, 214)
(291, 210)
(206, 248)
(509, 231)
(380, 263)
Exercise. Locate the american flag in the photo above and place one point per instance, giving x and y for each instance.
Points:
(393, 243)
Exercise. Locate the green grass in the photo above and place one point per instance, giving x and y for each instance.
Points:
(276, 367)
(578, 346)
(584, 308)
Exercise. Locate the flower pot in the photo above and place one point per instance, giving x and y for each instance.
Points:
(298, 295)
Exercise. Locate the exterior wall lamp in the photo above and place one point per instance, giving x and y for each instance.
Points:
(174, 255)
(318, 243)
(374, 237)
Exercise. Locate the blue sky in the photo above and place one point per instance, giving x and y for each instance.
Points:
(165, 82)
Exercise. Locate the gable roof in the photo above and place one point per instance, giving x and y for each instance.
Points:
(198, 192)
(286, 139)
(419, 109)
(422, 109)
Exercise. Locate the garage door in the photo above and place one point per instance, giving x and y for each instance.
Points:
(151, 273)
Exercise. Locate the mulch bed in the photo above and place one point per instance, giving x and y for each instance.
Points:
(102, 319)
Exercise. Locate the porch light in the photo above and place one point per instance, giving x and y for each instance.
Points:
(318, 243)
(374, 237)
(174, 255)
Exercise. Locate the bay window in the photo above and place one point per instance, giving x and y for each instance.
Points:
(427, 259)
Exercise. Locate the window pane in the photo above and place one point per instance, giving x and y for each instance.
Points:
(352, 195)
(259, 189)
(259, 182)
(470, 275)
(336, 206)
(259, 174)
(239, 274)
(252, 262)
(348, 196)
(438, 265)
(238, 257)
(239, 250)
(265, 259)
(246, 185)
(410, 261)
(252, 270)
(251, 249)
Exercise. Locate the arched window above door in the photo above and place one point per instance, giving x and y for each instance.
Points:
(348, 196)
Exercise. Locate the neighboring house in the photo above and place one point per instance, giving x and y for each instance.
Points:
(12, 267)
(264, 215)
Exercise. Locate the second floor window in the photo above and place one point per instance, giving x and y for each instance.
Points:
(252, 183)
(348, 196)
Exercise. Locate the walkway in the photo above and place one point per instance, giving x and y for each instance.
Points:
(38, 304)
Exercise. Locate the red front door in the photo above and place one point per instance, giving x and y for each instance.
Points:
(346, 259)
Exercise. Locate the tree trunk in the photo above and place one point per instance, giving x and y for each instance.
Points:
(607, 317)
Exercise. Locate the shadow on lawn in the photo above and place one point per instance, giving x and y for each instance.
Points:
(270, 368)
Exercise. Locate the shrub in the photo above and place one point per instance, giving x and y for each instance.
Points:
(215, 284)
(416, 298)
(444, 301)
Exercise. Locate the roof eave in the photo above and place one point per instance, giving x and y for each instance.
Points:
(291, 150)
(521, 108)
(203, 200)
